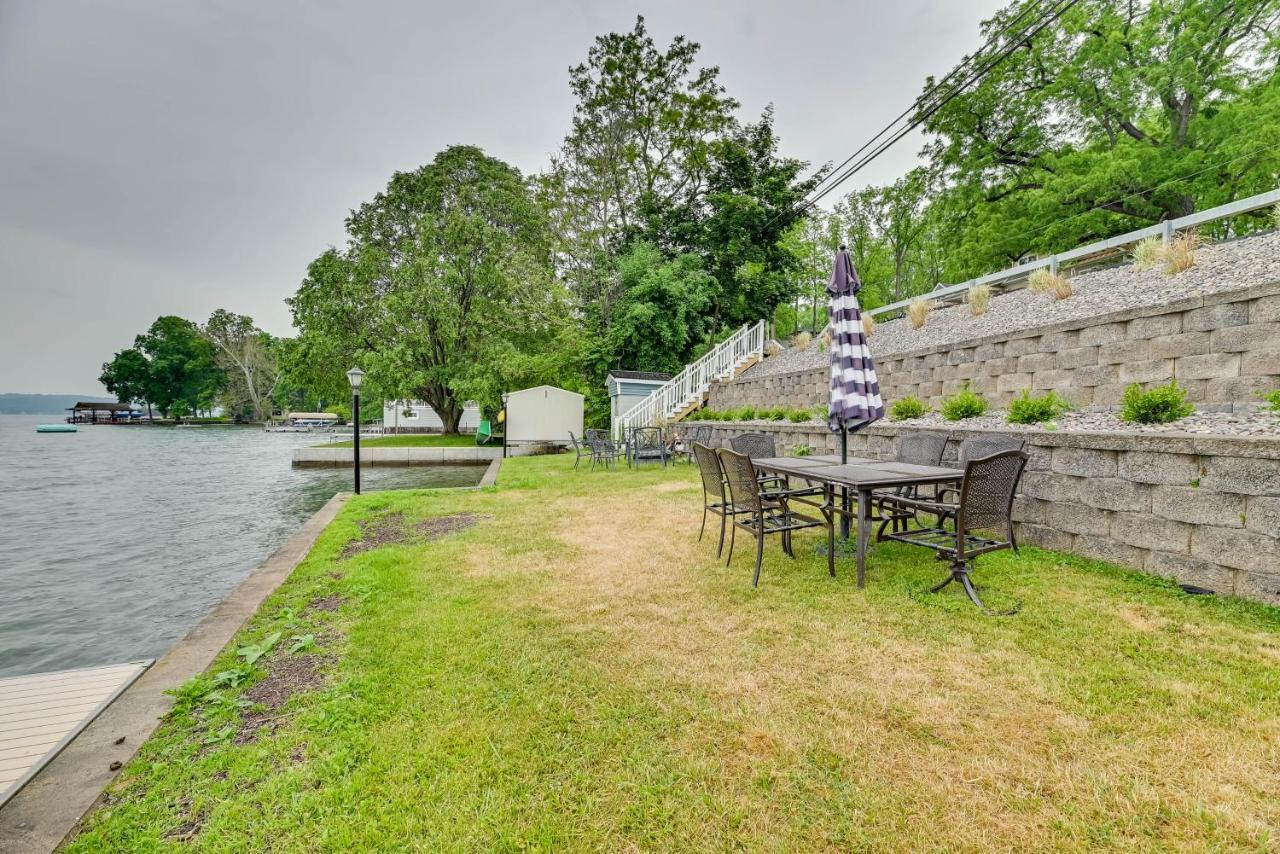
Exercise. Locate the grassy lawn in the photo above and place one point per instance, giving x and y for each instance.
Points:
(413, 440)
(574, 670)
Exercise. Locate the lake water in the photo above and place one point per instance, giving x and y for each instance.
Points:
(115, 540)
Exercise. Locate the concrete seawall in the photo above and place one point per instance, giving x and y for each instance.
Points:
(376, 456)
(323, 457)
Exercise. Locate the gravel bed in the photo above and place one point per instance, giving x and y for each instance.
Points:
(1230, 266)
(1257, 423)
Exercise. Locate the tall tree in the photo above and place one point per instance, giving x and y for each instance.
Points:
(128, 377)
(245, 354)
(183, 376)
(1119, 116)
(443, 273)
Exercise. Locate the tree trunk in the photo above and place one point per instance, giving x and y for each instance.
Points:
(445, 405)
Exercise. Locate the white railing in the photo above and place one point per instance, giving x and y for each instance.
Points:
(1163, 230)
(689, 385)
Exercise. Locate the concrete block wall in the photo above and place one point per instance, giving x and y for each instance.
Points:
(1223, 349)
(1203, 510)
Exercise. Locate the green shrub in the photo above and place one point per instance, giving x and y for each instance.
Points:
(777, 413)
(907, 407)
(801, 450)
(799, 416)
(1273, 397)
(745, 413)
(1036, 410)
(1160, 405)
(966, 403)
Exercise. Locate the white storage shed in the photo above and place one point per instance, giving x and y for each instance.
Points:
(543, 414)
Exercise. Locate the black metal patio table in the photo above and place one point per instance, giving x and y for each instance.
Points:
(862, 477)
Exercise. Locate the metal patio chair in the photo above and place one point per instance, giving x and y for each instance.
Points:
(580, 449)
(647, 443)
(714, 499)
(761, 511)
(985, 504)
(603, 449)
(682, 445)
(922, 449)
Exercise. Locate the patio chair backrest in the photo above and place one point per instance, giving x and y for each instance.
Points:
(985, 446)
(698, 434)
(574, 441)
(740, 475)
(647, 439)
(986, 496)
(709, 468)
(922, 449)
(754, 445)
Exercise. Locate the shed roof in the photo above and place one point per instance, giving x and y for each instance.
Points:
(650, 376)
(98, 406)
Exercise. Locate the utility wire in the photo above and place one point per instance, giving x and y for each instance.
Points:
(1053, 15)
(1061, 6)
(915, 105)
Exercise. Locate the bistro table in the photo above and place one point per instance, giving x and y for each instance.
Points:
(861, 476)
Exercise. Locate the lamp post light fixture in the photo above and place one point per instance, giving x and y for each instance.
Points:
(355, 376)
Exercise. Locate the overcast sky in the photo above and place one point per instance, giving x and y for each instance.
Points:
(177, 157)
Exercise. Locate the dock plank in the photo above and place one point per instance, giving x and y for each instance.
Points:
(41, 713)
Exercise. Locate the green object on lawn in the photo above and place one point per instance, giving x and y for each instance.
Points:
(485, 434)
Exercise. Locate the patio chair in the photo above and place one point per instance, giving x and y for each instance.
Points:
(761, 511)
(921, 449)
(603, 449)
(754, 445)
(986, 504)
(580, 449)
(714, 499)
(975, 448)
(647, 443)
(682, 445)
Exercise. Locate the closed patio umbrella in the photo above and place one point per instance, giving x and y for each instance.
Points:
(855, 392)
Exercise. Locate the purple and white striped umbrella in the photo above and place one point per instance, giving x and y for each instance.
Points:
(855, 391)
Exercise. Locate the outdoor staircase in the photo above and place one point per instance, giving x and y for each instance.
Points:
(686, 391)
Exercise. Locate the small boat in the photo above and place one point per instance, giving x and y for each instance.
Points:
(56, 428)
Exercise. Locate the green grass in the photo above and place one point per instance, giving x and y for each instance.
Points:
(413, 440)
(578, 672)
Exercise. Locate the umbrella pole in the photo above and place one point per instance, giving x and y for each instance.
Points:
(844, 492)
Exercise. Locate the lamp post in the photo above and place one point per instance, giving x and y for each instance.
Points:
(356, 376)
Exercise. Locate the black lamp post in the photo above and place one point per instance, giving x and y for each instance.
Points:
(356, 376)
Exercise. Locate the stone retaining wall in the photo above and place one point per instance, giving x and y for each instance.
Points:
(1203, 510)
(1224, 349)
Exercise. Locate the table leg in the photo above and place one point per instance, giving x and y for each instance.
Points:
(864, 533)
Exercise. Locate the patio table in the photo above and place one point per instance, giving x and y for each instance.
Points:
(862, 477)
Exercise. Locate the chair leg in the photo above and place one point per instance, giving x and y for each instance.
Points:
(704, 521)
(831, 543)
(720, 545)
(755, 579)
(733, 535)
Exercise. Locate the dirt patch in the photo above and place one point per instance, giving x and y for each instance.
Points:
(286, 675)
(391, 529)
(379, 531)
(327, 604)
(439, 526)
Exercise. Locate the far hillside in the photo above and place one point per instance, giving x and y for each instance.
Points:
(43, 404)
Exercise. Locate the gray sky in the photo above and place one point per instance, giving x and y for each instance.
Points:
(177, 157)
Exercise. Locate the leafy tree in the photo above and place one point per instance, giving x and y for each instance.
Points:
(183, 376)
(1119, 116)
(664, 313)
(246, 355)
(128, 377)
(444, 272)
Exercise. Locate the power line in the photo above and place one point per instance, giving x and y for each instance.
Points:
(1053, 15)
(1060, 7)
(915, 105)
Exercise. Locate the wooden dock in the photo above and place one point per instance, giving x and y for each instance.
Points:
(41, 713)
